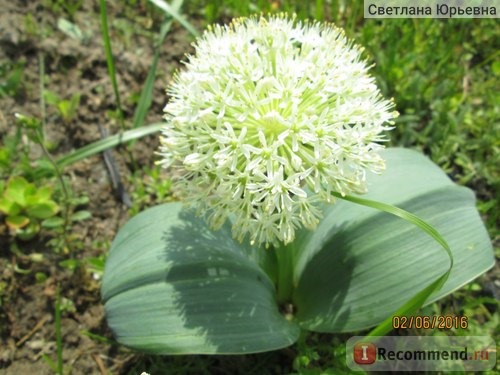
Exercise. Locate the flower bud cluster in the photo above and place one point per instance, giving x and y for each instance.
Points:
(269, 118)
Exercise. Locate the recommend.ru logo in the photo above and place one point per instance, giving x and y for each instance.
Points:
(421, 353)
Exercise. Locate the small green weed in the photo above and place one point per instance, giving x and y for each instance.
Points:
(26, 207)
(58, 365)
(66, 108)
(11, 78)
(14, 156)
(321, 354)
(149, 187)
(60, 226)
(63, 239)
(63, 6)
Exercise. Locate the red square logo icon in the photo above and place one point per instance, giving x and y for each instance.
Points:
(365, 353)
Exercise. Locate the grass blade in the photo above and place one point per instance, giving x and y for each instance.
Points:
(109, 59)
(417, 301)
(59, 344)
(106, 143)
(405, 215)
(167, 8)
(147, 91)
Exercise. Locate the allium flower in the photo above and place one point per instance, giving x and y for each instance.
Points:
(270, 117)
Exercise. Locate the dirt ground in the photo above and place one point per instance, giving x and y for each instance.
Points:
(29, 33)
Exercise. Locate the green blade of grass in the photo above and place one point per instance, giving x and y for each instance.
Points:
(147, 91)
(50, 362)
(106, 143)
(57, 319)
(109, 59)
(99, 338)
(405, 215)
(417, 301)
(175, 14)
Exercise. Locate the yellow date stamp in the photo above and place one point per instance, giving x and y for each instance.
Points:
(430, 322)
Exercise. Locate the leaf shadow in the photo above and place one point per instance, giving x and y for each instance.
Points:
(223, 298)
(323, 285)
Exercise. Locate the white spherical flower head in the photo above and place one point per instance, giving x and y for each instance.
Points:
(270, 116)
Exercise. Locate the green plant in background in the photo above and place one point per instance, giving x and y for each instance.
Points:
(448, 99)
(149, 186)
(285, 127)
(63, 240)
(58, 365)
(11, 76)
(26, 207)
(145, 99)
(14, 156)
(63, 7)
(66, 108)
(213, 11)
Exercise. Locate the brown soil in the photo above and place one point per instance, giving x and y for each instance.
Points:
(29, 33)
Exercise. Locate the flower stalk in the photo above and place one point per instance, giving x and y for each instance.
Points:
(285, 269)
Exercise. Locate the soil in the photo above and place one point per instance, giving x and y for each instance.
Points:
(29, 34)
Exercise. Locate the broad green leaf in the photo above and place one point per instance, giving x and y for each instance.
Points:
(411, 306)
(53, 222)
(172, 286)
(17, 222)
(43, 210)
(17, 189)
(81, 215)
(361, 265)
(9, 207)
(43, 194)
(28, 232)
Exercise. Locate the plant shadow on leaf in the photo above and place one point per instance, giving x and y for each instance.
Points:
(220, 291)
(355, 273)
(194, 291)
(322, 295)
